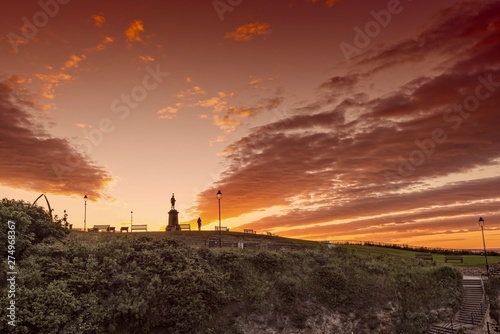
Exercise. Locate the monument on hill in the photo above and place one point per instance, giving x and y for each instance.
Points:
(173, 216)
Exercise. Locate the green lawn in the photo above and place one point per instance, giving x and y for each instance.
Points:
(469, 260)
(198, 239)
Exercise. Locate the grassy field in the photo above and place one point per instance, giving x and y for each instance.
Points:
(469, 260)
(199, 238)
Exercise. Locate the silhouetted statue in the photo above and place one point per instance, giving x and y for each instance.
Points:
(199, 224)
(172, 201)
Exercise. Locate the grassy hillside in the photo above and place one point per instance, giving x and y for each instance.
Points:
(199, 238)
(170, 283)
(469, 260)
(138, 284)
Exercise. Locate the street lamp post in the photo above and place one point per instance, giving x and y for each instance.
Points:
(219, 196)
(85, 214)
(131, 213)
(481, 224)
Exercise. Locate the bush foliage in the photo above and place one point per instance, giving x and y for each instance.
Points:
(137, 284)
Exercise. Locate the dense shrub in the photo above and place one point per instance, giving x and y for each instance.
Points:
(98, 283)
(32, 226)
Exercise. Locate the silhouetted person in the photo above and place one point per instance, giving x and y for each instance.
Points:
(199, 224)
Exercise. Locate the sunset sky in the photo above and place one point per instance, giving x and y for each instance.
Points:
(317, 119)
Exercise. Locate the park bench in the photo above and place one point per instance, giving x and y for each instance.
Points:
(269, 233)
(454, 258)
(185, 227)
(143, 227)
(249, 231)
(222, 228)
(426, 257)
(96, 228)
(124, 228)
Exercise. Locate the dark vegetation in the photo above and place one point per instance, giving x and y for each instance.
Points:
(492, 286)
(73, 283)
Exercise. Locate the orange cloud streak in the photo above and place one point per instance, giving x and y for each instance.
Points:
(328, 3)
(134, 30)
(248, 31)
(98, 20)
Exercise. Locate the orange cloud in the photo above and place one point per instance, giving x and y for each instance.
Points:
(53, 78)
(98, 20)
(328, 3)
(217, 103)
(167, 113)
(134, 30)
(226, 123)
(147, 59)
(50, 82)
(34, 159)
(247, 32)
(73, 61)
(369, 168)
(107, 40)
(196, 90)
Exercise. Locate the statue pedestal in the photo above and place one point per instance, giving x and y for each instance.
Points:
(173, 220)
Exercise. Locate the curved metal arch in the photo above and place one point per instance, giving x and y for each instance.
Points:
(48, 205)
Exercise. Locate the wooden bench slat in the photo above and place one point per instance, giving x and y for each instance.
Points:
(139, 227)
(454, 258)
(222, 228)
(427, 257)
(96, 228)
(185, 227)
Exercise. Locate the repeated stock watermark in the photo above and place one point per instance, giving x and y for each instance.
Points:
(373, 28)
(121, 107)
(48, 9)
(11, 273)
(454, 117)
(222, 6)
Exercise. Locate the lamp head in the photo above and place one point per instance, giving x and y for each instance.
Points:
(481, 221)
(219, 194)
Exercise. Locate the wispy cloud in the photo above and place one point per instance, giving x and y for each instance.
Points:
(50, 82)
(98, 20)
(328, 3)
(225, 112)
(193, 91)
(102, 45)
(31, 156)
(146, 59)
(248, 31)
(167, 113)
(134, 31)
(326, 164)
(73, 61)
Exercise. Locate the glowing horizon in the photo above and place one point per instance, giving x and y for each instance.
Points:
(320, 120)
